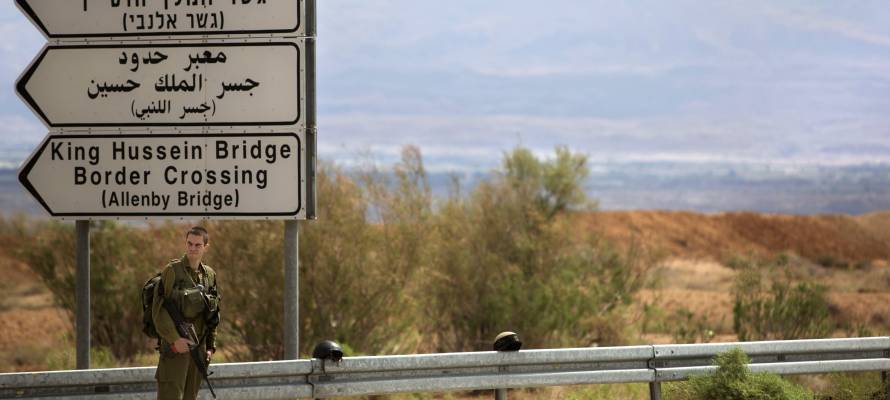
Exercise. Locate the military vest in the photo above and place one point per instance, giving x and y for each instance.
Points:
(194, 298)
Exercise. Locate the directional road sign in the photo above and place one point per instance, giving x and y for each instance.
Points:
(164, 176)
(213, 84)
(103, 18)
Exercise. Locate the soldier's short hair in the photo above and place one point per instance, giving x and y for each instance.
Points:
(199, 231)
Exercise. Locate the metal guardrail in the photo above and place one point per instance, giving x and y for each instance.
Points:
(356, 376)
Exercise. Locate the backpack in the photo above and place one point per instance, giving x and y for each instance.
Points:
(148, 297)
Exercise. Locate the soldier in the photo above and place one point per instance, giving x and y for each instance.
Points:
(190, 286)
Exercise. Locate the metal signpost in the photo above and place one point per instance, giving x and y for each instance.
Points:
(162, 109)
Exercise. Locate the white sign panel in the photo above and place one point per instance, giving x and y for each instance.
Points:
(168, 176)
(93, 18)
(218, 84)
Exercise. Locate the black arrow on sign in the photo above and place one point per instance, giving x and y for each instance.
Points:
(26, 169)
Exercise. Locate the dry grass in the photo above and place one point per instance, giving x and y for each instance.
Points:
(847, 239)
(31, 325)
(878, 224)
(857, 297)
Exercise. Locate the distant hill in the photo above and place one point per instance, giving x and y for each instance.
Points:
(13, 198)
(759, 187)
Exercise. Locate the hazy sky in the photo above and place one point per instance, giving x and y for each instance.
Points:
(681, 80)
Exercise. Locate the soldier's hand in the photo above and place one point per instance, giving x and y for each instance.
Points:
(181, 345)
(209, 354)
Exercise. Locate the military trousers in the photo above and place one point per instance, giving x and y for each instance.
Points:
(177, 375)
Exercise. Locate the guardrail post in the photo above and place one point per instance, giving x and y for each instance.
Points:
(505, 342)
(655, 385)
(655, 390)
(885, 378)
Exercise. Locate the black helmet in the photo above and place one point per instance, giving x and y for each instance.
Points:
(328, 350)
(507, 341)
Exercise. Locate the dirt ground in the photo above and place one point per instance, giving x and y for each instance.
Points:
(31, 323)
(688, 235)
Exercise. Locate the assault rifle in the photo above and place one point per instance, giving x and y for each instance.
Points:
(187, 331)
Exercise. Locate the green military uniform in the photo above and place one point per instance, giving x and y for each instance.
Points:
(177, 375)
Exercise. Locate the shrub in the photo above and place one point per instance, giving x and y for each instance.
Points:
(734, 381)
(830, 261)
(854, 386)
(248, 259)
(508, 257)
(122, 258)
(353, 272)
(768, 304)
(686, 327)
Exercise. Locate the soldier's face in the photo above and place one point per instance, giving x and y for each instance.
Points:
(195, 247)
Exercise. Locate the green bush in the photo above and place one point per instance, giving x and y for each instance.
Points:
(853, 386)
(355, 267)
(734, 381)
(360, 257)
(248, 259)
(686, 327)
(769, 304)
(509, 257)
(122, 258)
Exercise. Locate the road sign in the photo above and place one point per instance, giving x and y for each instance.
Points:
(59, 19)
(208, 84)
(169, 175)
